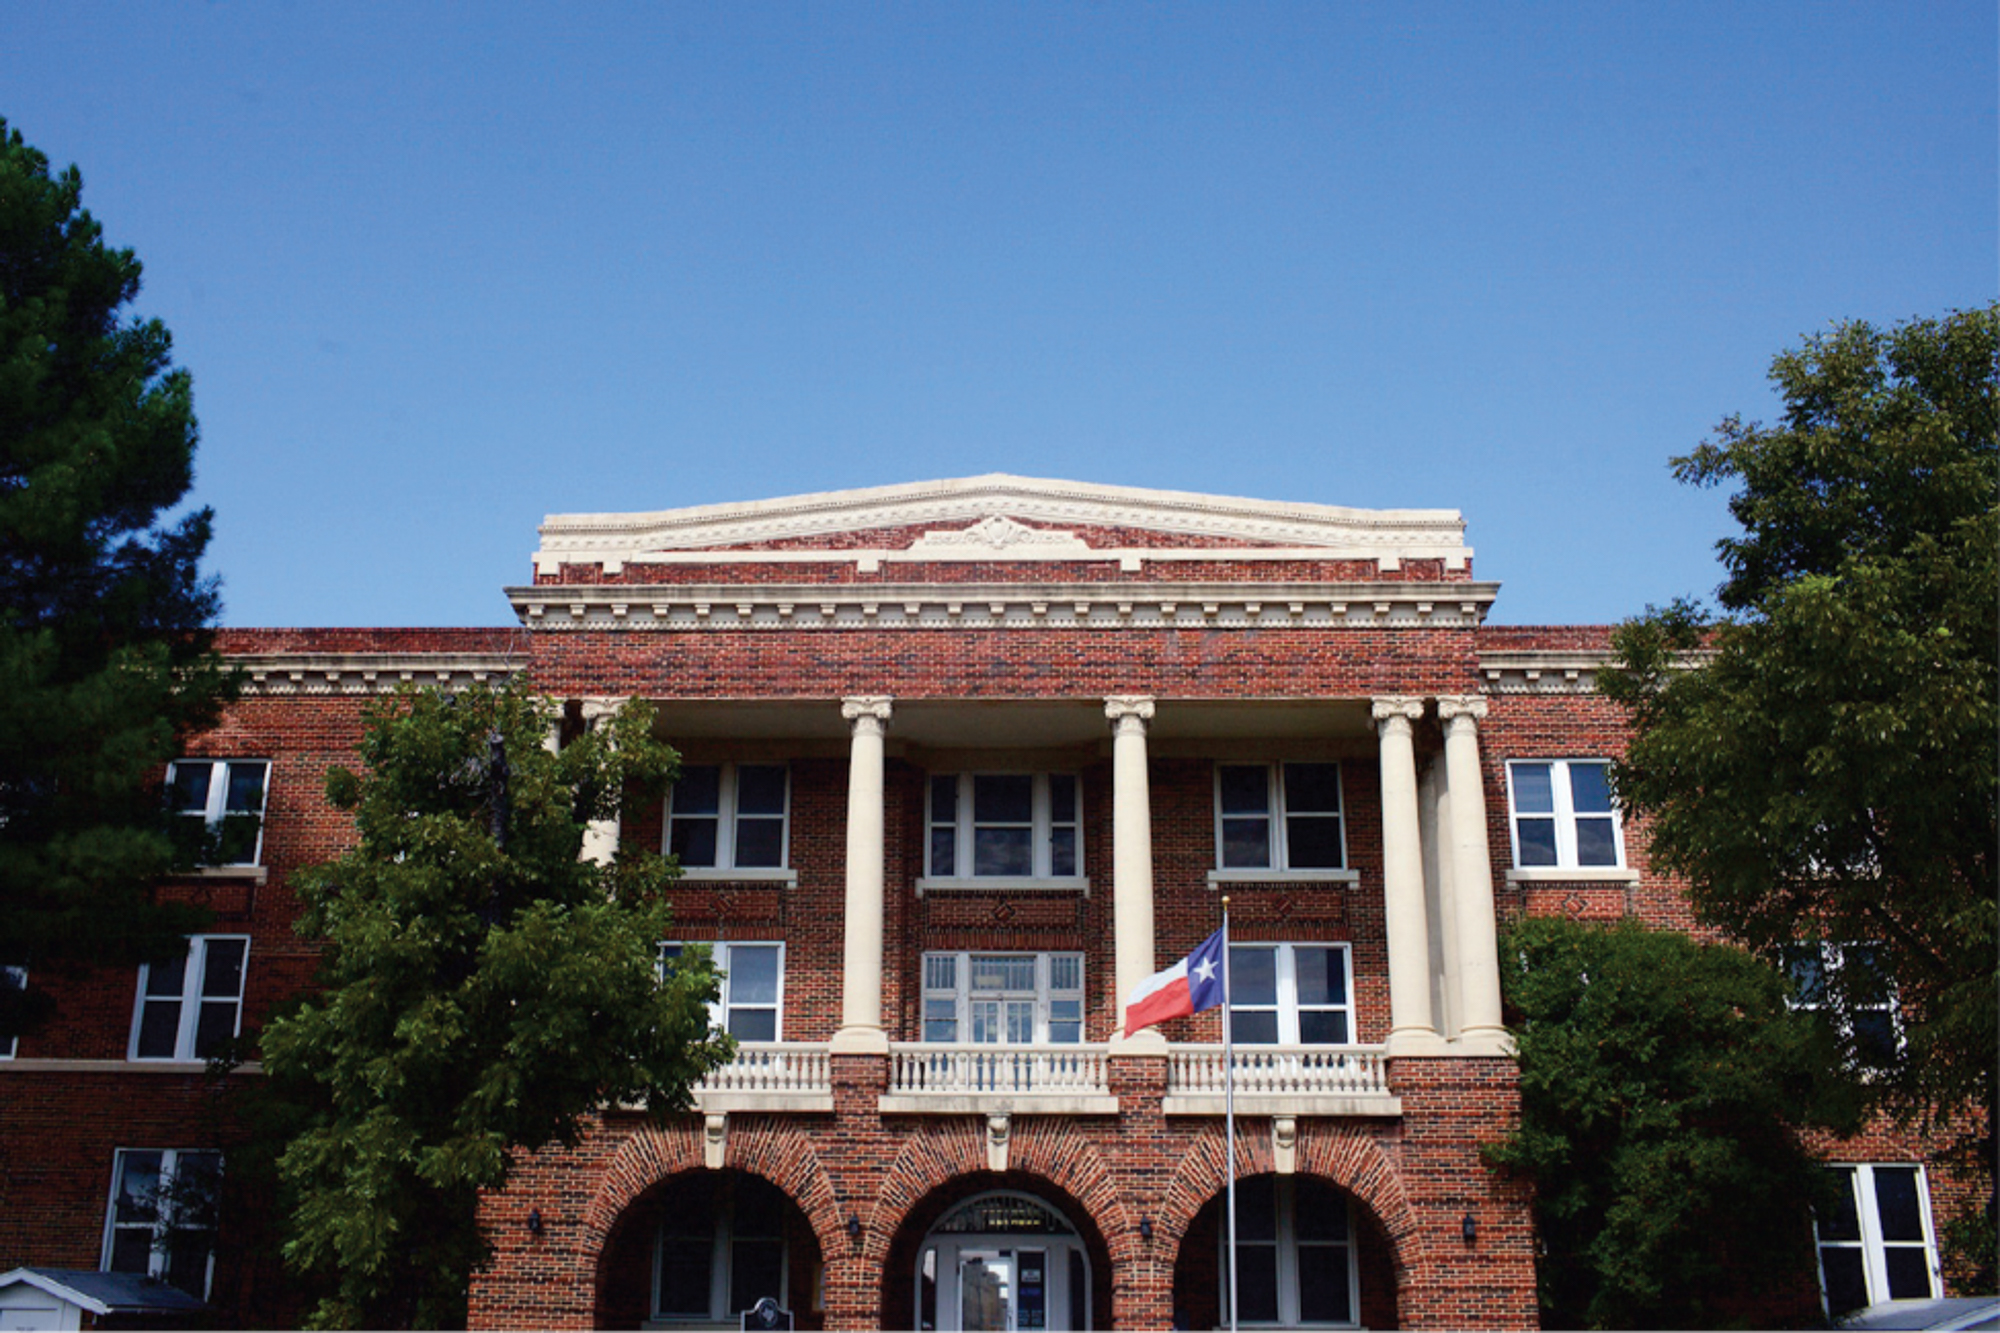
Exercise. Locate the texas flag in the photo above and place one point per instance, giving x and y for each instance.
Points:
(1188, 987)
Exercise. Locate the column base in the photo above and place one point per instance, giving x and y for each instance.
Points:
(1484, 1041)
(1416, 1041)
(859, 1041)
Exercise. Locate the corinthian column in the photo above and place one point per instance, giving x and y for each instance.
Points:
(1405, 918)
(1472, 868)
(1131, 853)
(861, 984)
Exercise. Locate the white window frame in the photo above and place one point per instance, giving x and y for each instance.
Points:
(157, 1256)
(1832, 965)
(721, 1274)
(190, 998)
(1287, 1005)
(1874, 1247)
(215, 810)
(727, 817)
(1286, 1242)
(1565, 817)
(719, 1011)
(13, 977)
(1043, 821)
(1277, 815)
(960, 994)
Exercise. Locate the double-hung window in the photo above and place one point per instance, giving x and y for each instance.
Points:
(218, 808)
(751, 1006)
(720, 1254)
(1846, 986)
(1294, 1253)
(1003, 998)
(1562, 814)
(729, 816)
(1004, 826)
(191, 1007)
(1279, 817)
(161, 1220)
(1876, 1243)
(1290, 994)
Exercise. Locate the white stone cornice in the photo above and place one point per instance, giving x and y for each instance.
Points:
(706, 531)
(1558, 670)
(905, 606)
(278, 674)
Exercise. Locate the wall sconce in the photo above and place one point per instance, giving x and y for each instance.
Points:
(1468, 1230)
(853, 1226)
(1146, 1230)
(534, 1221)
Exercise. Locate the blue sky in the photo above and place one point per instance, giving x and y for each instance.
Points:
(439, 270)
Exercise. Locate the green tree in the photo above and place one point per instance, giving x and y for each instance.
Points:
(484, 990)
(1661, 1084)
(1820, 759)
(104, 654)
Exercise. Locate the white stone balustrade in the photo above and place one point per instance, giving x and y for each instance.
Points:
(771, 1076)
(1294, 1080)
(954, 1079)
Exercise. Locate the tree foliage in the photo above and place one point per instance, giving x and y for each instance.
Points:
(1661, 1084)
(104, 658)
(1820, 760)
(484, 990)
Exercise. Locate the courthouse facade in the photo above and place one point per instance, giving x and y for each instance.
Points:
(963, 762)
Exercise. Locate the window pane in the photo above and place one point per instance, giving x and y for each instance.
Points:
(187, 792)
(1896, 1203)
(245, 795)
(1534, 794)
(944, 845)
(168, 977)
(760, 843)
(1844, 1223)
(693, 841)
(222, 974)
(1875, 1038)
(1325, 1027)
(1322, 975)
(1590, 788)
(1003, 798)
(1594, 844)
(213, 1028)
(753, 974)
(187, 1260)
(1066, 1031)
(1253, 975)
(684, 1272)
(944, 799)
(1862, 975)
(1002, 851)
(236, 841)
(1312, 843)
(753, 1024)
(1062, 851)
(940, 971)
(1323, 1292)
(138, 1187)
(1062, 798)
(1537, 838)
(1003, 972)
(1256, 1208)
(1312, 789)
(159, 1029)
(760, 789)
(1257, 1028)
(1244, 789)
(1246, 844)
(1257, 1283)
(1066, 971)
(131, 1250)
(1808, 976)
(698, 790)
(1840, 1272)
(1909, 1272)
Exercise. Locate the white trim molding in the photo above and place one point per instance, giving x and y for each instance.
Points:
(279, 674)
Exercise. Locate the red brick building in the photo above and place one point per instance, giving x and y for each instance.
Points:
(964, 762)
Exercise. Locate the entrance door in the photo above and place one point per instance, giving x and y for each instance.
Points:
(1003, 1262)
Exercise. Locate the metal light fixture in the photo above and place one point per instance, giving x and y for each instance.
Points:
(1146, 1229)
(1469, 1229)
(534, 1221)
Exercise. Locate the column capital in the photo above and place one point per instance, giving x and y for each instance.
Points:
(1454, 706)
(1390, 707)
(596, 707)
(854, 707)
(1137, 707)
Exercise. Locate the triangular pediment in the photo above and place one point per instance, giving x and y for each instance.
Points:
(1024, 517)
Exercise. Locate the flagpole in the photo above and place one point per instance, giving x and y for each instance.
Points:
(1229, 1110)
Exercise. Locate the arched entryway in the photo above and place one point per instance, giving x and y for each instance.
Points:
(700, 1247)
(1310, 1255)
(998, 1251)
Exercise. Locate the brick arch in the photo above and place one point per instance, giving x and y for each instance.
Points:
(778, 1152)
(1043, 1147)
(1337, 1151)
